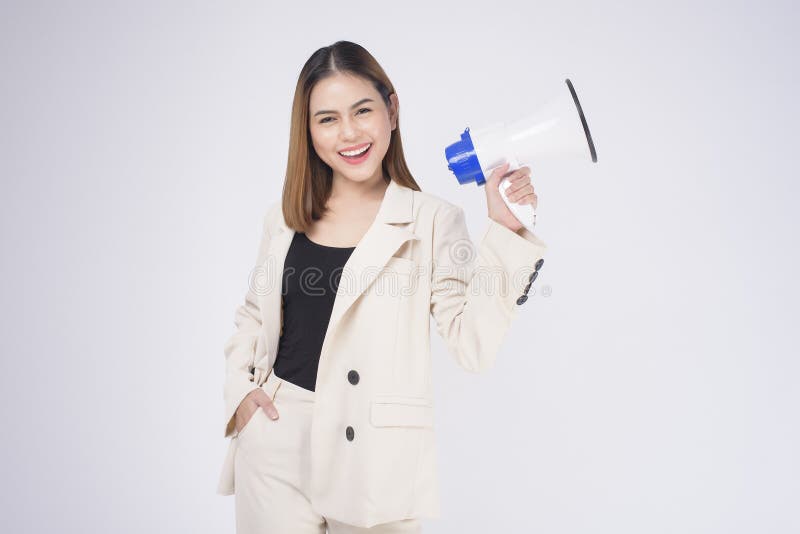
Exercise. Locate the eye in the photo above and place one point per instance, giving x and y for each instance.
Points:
(326, 119)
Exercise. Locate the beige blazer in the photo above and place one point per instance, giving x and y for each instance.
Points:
(414, 261)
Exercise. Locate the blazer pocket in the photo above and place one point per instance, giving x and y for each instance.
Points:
(401, 411)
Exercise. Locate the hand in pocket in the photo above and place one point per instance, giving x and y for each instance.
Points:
(255, 400)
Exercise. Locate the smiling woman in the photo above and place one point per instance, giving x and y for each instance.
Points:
(335, 346)
(346, 111)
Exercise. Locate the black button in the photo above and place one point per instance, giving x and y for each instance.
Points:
(352, 376)
(539, 264)
(349, 433)
(522, 299)
(534, 274)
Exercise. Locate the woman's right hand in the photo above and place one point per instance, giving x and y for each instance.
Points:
(255, 400)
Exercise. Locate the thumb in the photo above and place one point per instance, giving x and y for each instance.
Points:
(269, 409)
(497, 175)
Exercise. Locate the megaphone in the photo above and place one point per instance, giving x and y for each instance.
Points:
(556, 131)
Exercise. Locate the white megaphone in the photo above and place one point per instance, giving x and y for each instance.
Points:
(558, 130)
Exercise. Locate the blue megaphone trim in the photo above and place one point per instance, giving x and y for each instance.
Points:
(463, 162)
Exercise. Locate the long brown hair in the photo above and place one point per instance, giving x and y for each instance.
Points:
(307, 186)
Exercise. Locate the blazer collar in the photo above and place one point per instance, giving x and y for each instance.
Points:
(381, 240)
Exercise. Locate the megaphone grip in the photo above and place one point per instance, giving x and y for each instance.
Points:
(521, 211)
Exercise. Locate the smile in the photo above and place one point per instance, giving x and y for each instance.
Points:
(356, 156)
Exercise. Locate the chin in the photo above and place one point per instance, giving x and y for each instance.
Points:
(357, 175)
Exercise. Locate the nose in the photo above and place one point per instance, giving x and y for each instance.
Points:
(349, 129)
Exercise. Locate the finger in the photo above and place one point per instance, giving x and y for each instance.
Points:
(520, 173)
(499, 171)
(530, 199)
(521, 192)
(270, 410)
(518, 187)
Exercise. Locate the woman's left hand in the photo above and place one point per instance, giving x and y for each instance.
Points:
(519, 192)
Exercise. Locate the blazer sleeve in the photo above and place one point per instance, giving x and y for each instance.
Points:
(474, 292)
(240, 347)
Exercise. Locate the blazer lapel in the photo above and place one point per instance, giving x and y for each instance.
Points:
(369, 257)
(271, 311)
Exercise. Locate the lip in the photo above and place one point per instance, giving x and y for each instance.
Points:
(354, 147)
(360, 159)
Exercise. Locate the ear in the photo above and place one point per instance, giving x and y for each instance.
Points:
(394, 110)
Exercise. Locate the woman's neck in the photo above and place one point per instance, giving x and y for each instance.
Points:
(349, 192)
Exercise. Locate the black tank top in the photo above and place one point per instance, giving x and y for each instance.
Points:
(311, 275)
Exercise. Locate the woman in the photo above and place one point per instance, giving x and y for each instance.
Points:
(328, 397)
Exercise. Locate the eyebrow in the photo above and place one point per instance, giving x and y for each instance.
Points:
(363, 100)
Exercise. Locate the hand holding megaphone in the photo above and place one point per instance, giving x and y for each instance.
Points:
(510, 198)
(557, 130)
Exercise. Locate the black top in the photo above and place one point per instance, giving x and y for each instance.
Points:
(311, 274)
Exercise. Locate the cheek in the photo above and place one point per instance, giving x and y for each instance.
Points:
(321, 143)
(385, 130)
(375, 131)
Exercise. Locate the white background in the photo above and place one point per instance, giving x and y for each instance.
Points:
(655, 388)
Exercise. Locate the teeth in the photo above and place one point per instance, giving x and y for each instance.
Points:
(356, 152)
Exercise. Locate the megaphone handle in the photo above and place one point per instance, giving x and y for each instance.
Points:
(521, 211)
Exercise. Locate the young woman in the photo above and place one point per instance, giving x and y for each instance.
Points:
(328, 397)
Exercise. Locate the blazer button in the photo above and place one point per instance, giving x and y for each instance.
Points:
(349, 433)
(539, 264)
(534, 274)
(352, 376)
(522, 299)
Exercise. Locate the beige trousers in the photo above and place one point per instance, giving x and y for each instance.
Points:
(271, 469)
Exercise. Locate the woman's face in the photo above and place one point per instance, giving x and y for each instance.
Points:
(347, 114)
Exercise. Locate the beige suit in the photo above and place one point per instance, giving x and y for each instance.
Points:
(372, 453)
